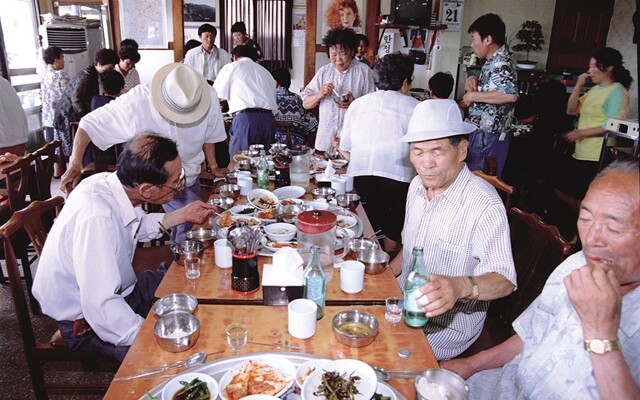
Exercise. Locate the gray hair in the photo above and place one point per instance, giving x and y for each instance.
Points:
(623, 166)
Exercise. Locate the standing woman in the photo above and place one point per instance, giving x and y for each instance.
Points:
(370, 139)
(129, 57)
(342, 75)
(609, 98)
(54, 81)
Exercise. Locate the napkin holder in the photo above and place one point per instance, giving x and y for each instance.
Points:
(282, 280)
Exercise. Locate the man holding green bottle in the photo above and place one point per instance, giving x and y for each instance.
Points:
(462, 225)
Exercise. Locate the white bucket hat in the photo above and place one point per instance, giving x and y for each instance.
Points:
(180, 94)
(436, 119)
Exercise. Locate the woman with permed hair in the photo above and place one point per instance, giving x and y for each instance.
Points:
(609, 98)
(342, 14)
(370, 137)
(341, 76)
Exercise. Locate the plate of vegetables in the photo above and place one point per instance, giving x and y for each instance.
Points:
(190, 386)
(341, 380)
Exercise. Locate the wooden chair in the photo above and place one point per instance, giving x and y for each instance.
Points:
(45, 159)
(538, 249)
(286, 125)
(504, 190)
(38, 353)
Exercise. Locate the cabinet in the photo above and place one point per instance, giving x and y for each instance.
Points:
(431, 31)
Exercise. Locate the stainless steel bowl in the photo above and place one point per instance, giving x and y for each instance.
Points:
(375, 261)
(204, 235)
(186, 249)
(323, 193)
(232, 177)
(176, 302)
(289, 213)
(230, 190)
(355, 328)
(359, 244)
(224, 203)
(445, 383)
(348, 200)
(178, 331)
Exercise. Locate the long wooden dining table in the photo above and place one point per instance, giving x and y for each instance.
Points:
(268, 324)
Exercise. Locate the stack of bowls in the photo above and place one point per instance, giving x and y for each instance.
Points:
(177, 331)
(176, 302)
(206, 236)
(186, 249)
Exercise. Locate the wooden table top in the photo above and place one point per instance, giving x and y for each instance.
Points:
(214, 284)
(269, 325)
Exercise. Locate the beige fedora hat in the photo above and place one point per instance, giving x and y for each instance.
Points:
(180, 94)
(436, 119)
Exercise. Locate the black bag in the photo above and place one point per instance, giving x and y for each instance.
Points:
(419, 57)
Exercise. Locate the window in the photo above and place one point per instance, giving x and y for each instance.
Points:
(268, 23)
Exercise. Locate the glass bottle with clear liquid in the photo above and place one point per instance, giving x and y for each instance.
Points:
(262, 171)
(418, 276)
(315, 284)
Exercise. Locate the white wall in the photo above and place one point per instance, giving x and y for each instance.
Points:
(620, 34)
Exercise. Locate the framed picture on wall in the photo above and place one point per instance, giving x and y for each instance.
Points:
(145, 21)
(198, 12)
(340, 13)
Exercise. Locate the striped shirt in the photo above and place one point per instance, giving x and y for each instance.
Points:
(464, 231)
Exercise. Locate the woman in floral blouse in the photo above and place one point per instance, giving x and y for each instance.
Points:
(54, 81)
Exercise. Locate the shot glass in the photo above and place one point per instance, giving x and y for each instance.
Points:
(192, 268)
(393, 309)
(237, 335)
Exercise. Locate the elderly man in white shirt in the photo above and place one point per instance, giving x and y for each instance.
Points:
(251, 92)
(179, 105)
(85, 279)
(462, 225)
(207, 58)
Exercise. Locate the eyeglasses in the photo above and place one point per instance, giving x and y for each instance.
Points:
(179, 187)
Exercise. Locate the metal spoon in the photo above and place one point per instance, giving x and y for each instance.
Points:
(191, 361)
(385, 375)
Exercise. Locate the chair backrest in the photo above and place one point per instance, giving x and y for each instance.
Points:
(17, 177)
(45, 159)
(37, 220)
(538, 248)
(504, 190)
(37, 352)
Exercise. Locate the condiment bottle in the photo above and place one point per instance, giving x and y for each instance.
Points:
(315, 283)
(262, 171)
(418, 277)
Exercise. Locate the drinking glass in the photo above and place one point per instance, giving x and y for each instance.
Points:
(192, 268)
(237, 335)
(393, 309)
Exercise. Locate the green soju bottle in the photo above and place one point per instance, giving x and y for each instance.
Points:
(418, 277)
(262, 170)
(315, 282)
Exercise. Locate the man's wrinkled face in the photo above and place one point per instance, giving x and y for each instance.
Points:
(437, 162)
(609, 224)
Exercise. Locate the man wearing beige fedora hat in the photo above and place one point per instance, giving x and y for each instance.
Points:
(178, 105)
(460, 222)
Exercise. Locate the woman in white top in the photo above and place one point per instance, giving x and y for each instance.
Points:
(370, 137)
(129, 57)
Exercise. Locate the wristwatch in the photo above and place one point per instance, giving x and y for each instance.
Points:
(601, 346)
(474, 288)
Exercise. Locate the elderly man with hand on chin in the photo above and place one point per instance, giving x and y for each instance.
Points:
(85, 279)
(460, 222)
(580, 339)
(178, 105)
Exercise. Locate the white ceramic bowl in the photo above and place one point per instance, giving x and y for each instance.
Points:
(246, 210)
(262, 199)
(280, 232)
(172, 387)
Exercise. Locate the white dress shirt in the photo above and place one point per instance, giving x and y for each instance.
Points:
(85, 270)
(357, 79)
(209, 64)
(246, 84)
(464, 231)
(133, 114)
(372, 128)
(13, 121)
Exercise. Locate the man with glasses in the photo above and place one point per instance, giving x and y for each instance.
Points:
(85, 279)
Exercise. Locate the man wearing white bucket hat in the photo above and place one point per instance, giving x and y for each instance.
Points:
(178, 105)
(460, 222)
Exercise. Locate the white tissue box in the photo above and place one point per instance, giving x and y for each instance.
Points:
(282, 280)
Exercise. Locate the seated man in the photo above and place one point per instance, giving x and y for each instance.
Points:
(85, 280)
(460, 222)
(580, 339)
(290, 109)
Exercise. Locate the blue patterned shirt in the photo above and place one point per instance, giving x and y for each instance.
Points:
(290, 110)
(498, 74)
